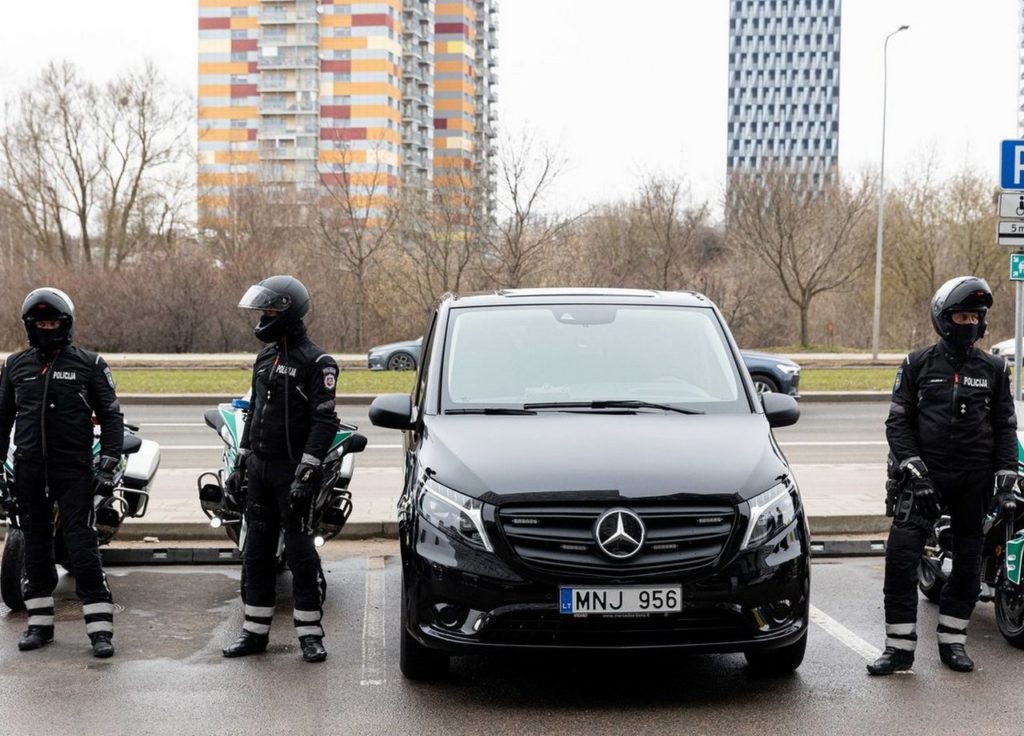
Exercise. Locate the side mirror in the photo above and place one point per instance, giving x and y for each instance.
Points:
(393, 411)
(781, 410)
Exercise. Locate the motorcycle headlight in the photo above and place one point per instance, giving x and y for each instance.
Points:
(453, 513)
(770, 513)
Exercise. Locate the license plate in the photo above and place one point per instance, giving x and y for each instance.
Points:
(663, 599)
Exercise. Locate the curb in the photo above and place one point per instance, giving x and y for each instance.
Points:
(807, 397)
(168, 531)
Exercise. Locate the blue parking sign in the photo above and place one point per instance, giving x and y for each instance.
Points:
(1012, 168)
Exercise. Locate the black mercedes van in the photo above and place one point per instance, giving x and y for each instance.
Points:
(594, 469)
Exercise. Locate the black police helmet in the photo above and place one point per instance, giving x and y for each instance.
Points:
(47, 304)
(285, 297)
(962, 294)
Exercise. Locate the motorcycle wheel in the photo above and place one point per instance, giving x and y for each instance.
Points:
(931, 578)
(1010, 614)
(12, 570)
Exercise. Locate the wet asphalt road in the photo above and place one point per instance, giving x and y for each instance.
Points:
(168, 676)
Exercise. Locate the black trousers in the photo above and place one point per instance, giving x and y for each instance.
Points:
(267, 512)
(38, 486)
(965, 494)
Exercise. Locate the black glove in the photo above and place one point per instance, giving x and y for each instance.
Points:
(301, 494)
(926, 500)
(104, 474)
(236, 478)
(1005, 487)
(7, 503)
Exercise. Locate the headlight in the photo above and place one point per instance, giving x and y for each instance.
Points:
(791, 370)
(770, 513)
(453, 513)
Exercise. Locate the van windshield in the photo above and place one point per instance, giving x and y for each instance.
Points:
(580, 353)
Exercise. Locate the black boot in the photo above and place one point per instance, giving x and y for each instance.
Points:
(35, 637)
(313, 648)
(892, 660)
(246, 644)
(102, 647)
(955, 657)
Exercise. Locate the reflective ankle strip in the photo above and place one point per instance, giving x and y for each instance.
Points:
(91, 608)
(309, 631)
(901, 636)
(307, 623)
(34, 603)
(306, 615)
(952, 630)
(907, 645)
(259, 611)
(97, 626)
(255, 628)
(41, 621)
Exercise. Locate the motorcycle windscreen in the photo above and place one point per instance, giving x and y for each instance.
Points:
(264, 300)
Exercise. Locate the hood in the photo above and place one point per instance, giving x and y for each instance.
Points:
(501, 459)
(396, 345)
(768, 357)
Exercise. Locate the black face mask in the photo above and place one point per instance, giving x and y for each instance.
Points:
(50, 341)
(270, 329)
(962, 337)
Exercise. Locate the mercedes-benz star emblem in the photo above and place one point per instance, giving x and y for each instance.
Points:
(619, 533)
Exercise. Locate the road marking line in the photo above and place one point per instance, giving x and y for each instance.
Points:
(846, 637)
(836, 443)
(374, 642)
(219, 447)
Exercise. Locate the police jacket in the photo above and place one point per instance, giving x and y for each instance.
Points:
(51, 402)
(292, 413)
(954, 411)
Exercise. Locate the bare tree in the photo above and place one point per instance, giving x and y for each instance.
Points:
(142, 122)
(524, 233)
(356, 221)
(670, 232)
(813, 241)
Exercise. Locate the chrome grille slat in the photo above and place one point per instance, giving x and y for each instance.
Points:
(558, 538)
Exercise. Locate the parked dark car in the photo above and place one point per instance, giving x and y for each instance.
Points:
(770, 372)
(562, 494)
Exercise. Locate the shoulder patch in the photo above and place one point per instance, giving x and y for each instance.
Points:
(329, 381)
(899, 380)
(110, 378)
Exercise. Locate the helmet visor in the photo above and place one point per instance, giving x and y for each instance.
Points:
(264, 300)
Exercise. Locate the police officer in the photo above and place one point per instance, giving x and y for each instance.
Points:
(49, 393)
(290, 427)
(952, 430)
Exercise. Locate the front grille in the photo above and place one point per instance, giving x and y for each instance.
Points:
(559, 539)
(537, 628)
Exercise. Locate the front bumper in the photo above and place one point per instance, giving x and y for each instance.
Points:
(464, 601)
(375, 362)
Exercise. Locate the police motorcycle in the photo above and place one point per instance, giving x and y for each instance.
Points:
(133, 480)
(1001, 560)
(331, 503)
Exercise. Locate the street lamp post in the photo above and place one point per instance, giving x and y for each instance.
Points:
(876, 321)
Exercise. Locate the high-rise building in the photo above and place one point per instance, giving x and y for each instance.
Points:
(308, 96)
(784, 87)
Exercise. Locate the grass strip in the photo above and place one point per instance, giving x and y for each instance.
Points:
(236, 382)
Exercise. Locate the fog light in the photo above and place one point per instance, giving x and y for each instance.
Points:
(216, 522)
(318, 541)
(449, 615)
(779, 612)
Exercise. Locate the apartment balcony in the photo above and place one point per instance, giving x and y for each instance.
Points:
(307, 60)
(289, 107)
(288, 153)
(271, 16)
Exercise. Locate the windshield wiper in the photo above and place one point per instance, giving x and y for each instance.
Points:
(490, 410)
(610, 404)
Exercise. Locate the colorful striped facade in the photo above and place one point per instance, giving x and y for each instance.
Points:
(465, 37)
(313, 97)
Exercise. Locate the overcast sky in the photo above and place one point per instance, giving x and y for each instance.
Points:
(623, 88)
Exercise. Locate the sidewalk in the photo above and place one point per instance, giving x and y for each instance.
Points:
(839, 499)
